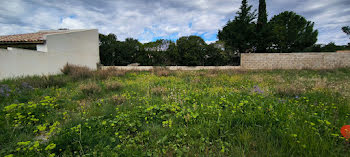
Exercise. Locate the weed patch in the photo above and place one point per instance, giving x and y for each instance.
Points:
(186, 113)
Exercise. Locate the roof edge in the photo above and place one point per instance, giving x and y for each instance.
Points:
(21, 42)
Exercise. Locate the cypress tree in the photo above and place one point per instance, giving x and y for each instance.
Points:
(262, 18)
(262, 28)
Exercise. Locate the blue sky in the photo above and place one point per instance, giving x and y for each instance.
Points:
(148, 20)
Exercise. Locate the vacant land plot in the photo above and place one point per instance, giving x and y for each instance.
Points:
(162, 113)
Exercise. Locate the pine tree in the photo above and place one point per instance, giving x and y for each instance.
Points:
(292, 32)
(245, 15)
(239, 34)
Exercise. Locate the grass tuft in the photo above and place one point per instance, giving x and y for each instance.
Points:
(113, 85)
(90, 88)
(159, 91)
(118, 99)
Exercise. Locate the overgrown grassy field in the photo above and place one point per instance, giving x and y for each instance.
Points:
(163, 113)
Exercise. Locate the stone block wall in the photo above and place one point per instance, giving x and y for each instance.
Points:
(295, 60)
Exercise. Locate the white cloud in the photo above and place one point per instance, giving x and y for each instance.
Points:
(149, 19)
(71, 23)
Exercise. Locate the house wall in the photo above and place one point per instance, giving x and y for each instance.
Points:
(83, 44)
(41, 47)
(79, 48)
(295, 60)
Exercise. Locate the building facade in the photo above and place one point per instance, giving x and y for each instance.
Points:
(46, 52)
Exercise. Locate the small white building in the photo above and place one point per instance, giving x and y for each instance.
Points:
(46, 52)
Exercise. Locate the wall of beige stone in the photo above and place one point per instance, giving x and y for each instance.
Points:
(295, 60)
(173, 68)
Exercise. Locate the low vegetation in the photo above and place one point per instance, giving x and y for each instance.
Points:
(163, 113)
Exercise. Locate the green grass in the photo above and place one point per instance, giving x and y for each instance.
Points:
(202, 113)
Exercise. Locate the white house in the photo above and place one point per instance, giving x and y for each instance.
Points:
(46, 52)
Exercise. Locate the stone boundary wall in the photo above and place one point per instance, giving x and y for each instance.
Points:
(268, 61)
(185, 68)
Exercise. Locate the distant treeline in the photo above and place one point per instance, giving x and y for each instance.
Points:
(187, 51)
(285, 33)
(331, 47)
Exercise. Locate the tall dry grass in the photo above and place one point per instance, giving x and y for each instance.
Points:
(83, 72)
(45, 81)
(109, 72)
(113, 85)
(77, 72)
(161, 71)
(90, 88)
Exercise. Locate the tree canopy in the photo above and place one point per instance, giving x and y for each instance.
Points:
(346, 30)
(191, 50)
(188, 50)
(239, 34)
(292, 32)
(108, 44)
(114, 52)
(156, 53)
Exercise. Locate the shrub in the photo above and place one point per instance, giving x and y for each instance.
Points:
(67, 69)
(77, 72)
(110, 85)
(90, 88)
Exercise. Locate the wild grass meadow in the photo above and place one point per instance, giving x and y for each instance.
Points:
(176, 113)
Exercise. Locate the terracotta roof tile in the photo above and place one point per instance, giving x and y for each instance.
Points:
(30, 37)
(26, 38)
